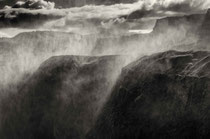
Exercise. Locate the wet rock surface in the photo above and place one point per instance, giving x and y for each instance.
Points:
(165, 95)
(61, 99)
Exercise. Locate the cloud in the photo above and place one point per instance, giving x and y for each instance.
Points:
(96, 15)
(26, 18)
(177, 5)
(186, 5)
(89, 14)
(162, 8)
(34, 4)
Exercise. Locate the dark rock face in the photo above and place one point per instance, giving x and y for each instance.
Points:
(166, 95)
(61, 100)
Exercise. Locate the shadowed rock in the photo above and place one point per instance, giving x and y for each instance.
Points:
(165, 95)
(61, 100)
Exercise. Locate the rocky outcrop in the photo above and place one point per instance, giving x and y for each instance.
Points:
(165, 95)
(61, 99)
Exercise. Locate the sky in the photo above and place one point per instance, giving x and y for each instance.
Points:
(42, 15)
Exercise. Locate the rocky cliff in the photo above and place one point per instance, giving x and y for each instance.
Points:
(165, 95)
(61, 99)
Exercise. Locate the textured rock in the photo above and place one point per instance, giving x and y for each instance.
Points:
(165, 95)
(61, 100)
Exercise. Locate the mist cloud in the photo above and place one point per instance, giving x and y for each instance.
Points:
(94, 15)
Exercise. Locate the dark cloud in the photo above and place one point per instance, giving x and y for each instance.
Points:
(26, 18)
(72, 3)
(73, 16)
(7, 2)
(34, 4)
(78, 3)
(95, 14)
